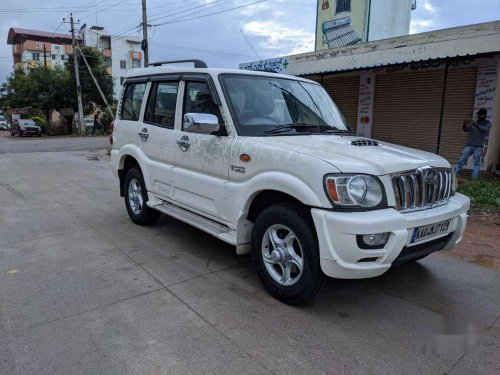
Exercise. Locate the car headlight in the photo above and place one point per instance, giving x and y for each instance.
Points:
(22, 128)
(362, 191)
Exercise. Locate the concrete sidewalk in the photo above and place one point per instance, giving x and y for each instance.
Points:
(85, 291)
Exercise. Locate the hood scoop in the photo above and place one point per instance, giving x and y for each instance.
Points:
(363, 142)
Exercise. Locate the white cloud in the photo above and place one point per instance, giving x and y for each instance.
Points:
(420, 25)
(429, 7)
(280, 37)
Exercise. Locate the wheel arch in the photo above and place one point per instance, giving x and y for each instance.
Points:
(125, 164)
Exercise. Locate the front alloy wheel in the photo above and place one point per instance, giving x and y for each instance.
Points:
(282, 255)
(285, 253)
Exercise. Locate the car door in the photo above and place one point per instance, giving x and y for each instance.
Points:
(130, 110)
(201, 160)
(156, 136)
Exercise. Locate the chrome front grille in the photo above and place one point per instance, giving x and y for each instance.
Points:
(423, 188)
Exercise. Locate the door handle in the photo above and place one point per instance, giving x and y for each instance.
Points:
(184, 143)
(144, 134)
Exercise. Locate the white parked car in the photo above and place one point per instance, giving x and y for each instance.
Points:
(4, 124)
(267, 162)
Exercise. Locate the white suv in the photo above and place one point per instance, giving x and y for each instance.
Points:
(267, 162)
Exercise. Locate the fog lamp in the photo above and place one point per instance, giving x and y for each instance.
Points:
(372, 241)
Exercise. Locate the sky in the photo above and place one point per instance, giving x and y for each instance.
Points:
(273, 27)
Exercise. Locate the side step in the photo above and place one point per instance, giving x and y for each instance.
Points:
(211, 227)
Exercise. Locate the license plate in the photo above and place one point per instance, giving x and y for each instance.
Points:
(428, 231)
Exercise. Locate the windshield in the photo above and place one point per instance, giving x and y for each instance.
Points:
(2, 118)
(266, 106)
(27, 122)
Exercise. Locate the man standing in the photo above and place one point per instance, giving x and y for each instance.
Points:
(97, 124)
(478, 131)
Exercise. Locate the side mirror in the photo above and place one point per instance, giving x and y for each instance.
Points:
(203, 123)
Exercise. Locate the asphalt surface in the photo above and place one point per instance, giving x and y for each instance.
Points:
(9, 145)
(85, 291)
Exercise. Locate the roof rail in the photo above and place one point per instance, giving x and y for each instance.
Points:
(197, 63)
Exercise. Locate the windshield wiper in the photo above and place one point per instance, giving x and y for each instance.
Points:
(286, 128)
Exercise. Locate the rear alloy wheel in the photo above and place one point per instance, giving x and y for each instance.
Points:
(136, 197)
(285, 252)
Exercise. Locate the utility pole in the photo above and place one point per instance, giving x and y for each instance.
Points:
(77, 76)
(144, 44)
(44, 55)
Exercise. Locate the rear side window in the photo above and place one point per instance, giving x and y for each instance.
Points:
(132, 101)
(161, 104)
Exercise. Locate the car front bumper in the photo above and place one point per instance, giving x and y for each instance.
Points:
(342, 258)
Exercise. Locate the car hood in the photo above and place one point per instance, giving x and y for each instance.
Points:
(337, 150)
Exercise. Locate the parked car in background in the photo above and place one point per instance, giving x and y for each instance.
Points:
(4, 124)
(25, 127)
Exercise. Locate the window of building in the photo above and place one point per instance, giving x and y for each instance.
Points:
(198, 99)
(63, 57)
(57, 47)
(53, 56)
(107, 61)
(136, 63)
(343, 6)
(132, 101)
(36, 56)
(38, 45)
(161, 104)
(123, 64)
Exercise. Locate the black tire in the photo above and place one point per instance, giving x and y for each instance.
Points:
(39, 135)
(147, 215)
(19, 134)
(11, 133)
(298, 219)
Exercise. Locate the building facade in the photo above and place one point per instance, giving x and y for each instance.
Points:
(120, 53)
(414, 91)
(345, 22)
(34, 47)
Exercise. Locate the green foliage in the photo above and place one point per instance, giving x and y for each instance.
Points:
(41, 89)
(90, 93)
(40, 121)
(106, 117)
(482, 193)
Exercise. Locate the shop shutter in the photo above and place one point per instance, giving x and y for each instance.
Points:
(345, 92)
(458, 106)
(407, 108)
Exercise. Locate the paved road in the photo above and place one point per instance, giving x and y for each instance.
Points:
(84, 291)
(10, 144)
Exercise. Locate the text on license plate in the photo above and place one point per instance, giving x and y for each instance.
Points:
(429, 231)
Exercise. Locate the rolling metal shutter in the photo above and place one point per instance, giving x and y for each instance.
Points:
(458, 106)
(345, 92)
(407, 108)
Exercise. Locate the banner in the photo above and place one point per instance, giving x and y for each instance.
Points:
(485, 98)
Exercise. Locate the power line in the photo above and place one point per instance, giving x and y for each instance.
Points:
(162, 45)
(187, 10)
(250, 44)
(209, 14)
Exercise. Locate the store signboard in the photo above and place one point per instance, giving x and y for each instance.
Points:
(485, 98)
(279, 65)
(365, 105)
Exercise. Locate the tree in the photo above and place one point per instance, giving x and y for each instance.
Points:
(90, 94)
(39, 88)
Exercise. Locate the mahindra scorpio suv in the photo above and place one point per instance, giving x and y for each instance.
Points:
(267, 163)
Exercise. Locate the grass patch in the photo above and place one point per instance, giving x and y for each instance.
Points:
(481, 193)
